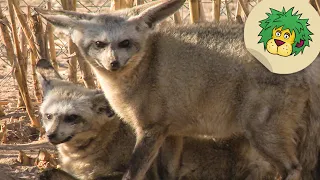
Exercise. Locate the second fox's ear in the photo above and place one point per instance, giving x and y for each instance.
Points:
(158, 12)
(64, 20)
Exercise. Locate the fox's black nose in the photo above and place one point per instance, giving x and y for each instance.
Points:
(115, 65)
(51, 136)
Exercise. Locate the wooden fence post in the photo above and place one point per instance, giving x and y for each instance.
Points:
(194, 11)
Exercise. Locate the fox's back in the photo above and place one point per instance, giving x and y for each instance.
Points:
(204, 71)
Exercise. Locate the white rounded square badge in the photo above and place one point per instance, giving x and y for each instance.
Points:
(283, 35)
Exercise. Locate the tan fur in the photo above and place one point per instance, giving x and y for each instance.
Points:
(196, 80)
(103, 150)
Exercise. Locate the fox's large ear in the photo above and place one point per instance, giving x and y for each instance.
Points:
(45, 72)
(158, 12)
(101, 104)
(64, 20)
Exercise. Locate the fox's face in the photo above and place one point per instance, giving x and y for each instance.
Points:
(112, 41)
(70, 112)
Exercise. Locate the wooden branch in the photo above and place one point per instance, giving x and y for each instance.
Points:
(115, 5)
(53, 55)
(24, 62)
(21, 79)
(6, 39)
(126, 4)
(228, 11)
(85, 69)
(194, 11)
(37, 30)
(26, 29)
(217, 10)
(72, 70)
(238, 13)
(139, 2)
(202, 13)
(177, 18)
(2, 111)
(3, 132)
(244, 8)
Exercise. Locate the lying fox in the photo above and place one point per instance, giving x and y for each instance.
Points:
(193, 80)
(94, 143)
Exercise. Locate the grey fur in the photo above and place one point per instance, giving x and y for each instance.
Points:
(196, 80)
(103, 149)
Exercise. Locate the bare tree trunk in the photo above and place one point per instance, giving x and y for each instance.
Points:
(18, 70)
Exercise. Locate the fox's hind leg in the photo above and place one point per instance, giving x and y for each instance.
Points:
(270, 117)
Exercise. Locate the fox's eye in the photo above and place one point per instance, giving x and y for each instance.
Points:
(100, 44)
(278, 34)
(49, 116)
(73, 118)
(286, 36)
(124, 44)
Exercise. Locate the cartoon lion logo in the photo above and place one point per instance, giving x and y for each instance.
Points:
(284, 33)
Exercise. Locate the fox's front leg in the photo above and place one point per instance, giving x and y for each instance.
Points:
(149, 140)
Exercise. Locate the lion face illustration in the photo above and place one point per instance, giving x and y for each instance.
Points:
(284, 33)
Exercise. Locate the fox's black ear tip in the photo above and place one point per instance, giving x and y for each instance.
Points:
(44, 63)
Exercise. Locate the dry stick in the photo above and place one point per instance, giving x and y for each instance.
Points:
(21, 79)
(87, 74)
(24, 63)
(318, 5)
(244, 7)
(194, 11)
(238, 13)
(177, 18)
(4, 133)
(53, 55)
(2, 111)
(216, 10)
(139, 2)
(6, 39)
(115, 5)
(72, 74)
(26, 29)
(202, 13)
(228, 11)
(126, 4)
(36, 26)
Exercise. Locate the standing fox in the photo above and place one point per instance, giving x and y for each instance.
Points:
(93, 143)
(193, 80)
